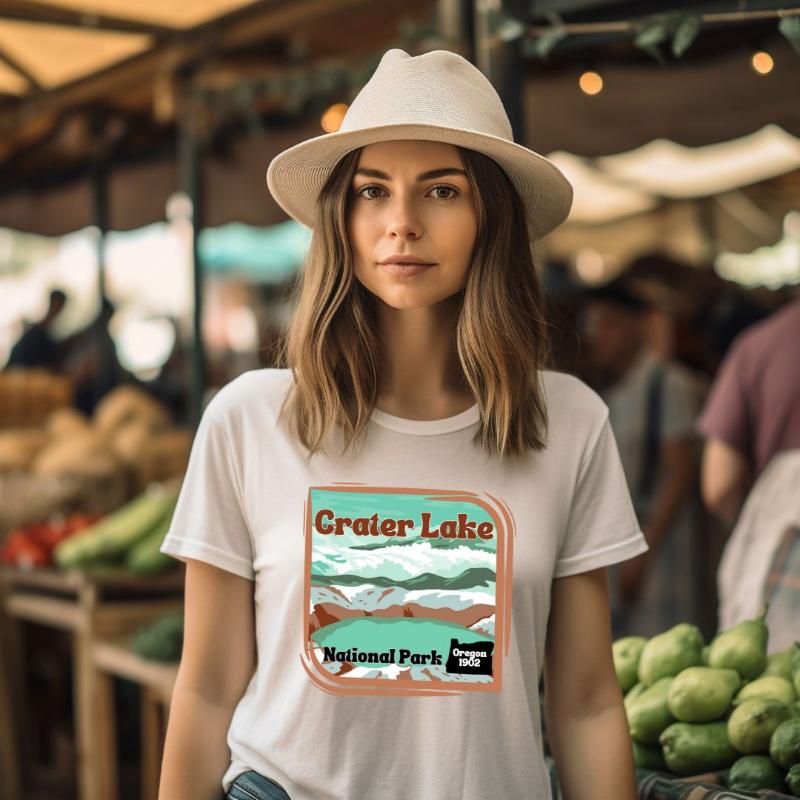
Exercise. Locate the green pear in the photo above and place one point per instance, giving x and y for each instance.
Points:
(753, 722)
(626, 653)
(779, 664)
(742, 647)
(693, 747)
(795, 667)
(702, 694)
(793, 780)
(768, 686)
(784, 744)
(668, 653)
(648, 756)
(648, 714)
(755, 772)
(633, 694)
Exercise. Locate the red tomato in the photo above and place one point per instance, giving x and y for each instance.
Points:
(31, 555)
(77, 522)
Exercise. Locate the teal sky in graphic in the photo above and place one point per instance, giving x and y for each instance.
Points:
(396, 506)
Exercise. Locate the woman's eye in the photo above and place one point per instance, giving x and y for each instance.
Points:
(365, 189)
(362, 192)
(447, 189)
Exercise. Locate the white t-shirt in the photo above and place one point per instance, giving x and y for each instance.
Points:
(402, 591)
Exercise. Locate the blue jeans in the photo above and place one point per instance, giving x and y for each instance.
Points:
(252, 785)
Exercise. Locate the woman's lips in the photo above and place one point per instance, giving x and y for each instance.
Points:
(406, 270)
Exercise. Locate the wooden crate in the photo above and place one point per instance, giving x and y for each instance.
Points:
(114, 659)
(91, 607)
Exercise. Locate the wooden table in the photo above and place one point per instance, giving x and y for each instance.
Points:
(90, 606)
(114, 659)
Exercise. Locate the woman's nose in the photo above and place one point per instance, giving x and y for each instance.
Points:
(402, 220)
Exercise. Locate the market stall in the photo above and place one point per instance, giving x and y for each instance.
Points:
(724, 713)
(86, 503)
(193, 98)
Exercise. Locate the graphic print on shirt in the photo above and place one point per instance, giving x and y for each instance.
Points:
(407, 591)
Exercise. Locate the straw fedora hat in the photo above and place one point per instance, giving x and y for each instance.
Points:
(438, 96)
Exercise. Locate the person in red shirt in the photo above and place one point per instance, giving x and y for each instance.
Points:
(753, 410)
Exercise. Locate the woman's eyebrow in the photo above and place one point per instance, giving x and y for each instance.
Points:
(423, 176)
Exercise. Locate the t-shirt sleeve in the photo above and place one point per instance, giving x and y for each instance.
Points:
(602, 528)
(725, 415)
(209, 523)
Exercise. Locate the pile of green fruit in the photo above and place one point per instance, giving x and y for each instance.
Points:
(161, 640)
(130, 537)
(693, 707)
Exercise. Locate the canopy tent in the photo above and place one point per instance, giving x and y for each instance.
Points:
(103, 90)
(668, 169)
(54, 44)
(137, 193)
(50, 139)
(615, 186)
(198, 95)
(690, 202)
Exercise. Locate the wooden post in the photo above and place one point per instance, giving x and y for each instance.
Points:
(11, 698)
(503, 63)
(152, 736)
(88, 745)
(100, 201)
(191, 168)
(106, 726)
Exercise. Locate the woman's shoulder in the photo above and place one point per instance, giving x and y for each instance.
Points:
(567, 394)
(576, 413)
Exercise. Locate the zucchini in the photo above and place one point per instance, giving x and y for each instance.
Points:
(146, 555)
(114, 534)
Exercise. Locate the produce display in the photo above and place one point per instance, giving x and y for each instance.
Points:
(694, 707)
(128, 431)
(161, 640)
(139, 433)
(67, 463)
(33, 545)
(130, 536)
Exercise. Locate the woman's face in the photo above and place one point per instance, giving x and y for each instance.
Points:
(398, 210)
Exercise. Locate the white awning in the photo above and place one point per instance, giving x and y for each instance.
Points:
(616, 186)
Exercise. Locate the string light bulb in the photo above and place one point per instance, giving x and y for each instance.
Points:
(590, 83)
(762, 62)
(333, 116)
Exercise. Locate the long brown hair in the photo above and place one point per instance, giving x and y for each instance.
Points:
(501, 333)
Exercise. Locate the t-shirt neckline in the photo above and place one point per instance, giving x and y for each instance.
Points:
(427, 427)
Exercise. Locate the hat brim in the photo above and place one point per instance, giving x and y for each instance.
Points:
(296, 175)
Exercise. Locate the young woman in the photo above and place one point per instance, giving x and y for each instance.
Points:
(390, 540)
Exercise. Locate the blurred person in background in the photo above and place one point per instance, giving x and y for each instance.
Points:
(564, 304)
(753, 410)
(92, 361)
(169, 386)
(653, 403)
(751, 475)
(37, 347)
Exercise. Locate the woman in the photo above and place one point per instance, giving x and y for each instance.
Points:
(426, 511)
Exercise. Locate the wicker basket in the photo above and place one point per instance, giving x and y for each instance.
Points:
(27, 396)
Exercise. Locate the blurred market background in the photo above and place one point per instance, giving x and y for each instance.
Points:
(143, 265)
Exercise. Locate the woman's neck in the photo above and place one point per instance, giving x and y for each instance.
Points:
(421, 377)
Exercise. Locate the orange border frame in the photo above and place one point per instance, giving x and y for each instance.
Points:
(505, 530)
